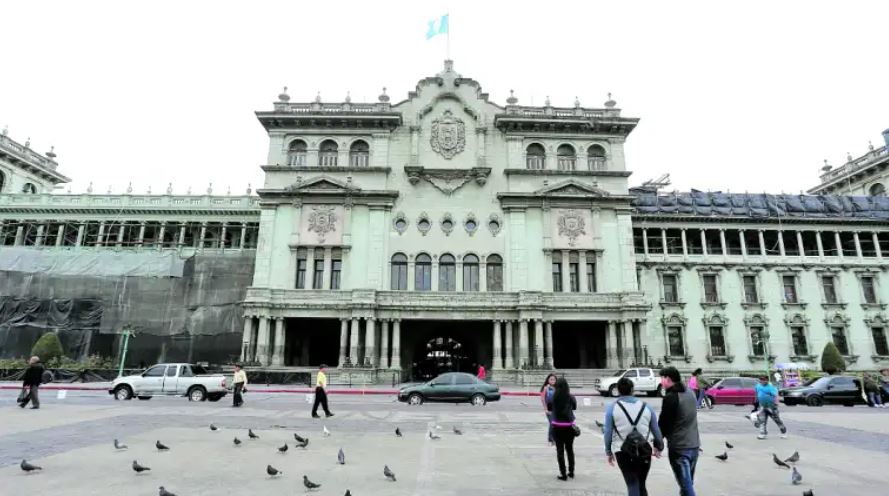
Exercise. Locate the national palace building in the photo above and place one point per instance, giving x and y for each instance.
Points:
(443, 231)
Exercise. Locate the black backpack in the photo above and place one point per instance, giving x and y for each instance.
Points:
(635, 445)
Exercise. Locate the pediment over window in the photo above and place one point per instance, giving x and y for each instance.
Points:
(322, 183)
(572, 187)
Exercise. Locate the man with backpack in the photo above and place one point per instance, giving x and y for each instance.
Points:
(629, 423)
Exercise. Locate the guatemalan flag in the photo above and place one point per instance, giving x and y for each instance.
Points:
(437, 26)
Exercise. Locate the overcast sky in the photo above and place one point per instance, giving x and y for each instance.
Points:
(746, 95)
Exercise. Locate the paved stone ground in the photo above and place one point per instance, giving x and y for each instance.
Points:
(503, 451)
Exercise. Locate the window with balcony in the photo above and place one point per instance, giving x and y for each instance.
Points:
(423, 273)
(671, 288)
(470, 273)
(751, 291)
(328, 153)
(301, 264)
(494, 276)
(447, 273)
(868, 290)
(595, 158)
(789, 284)
(881, 346)
(717, 340)
(828, 285)
(675, 341)
(757, 341)
(566, 159)
(535, 157)
(398, 272)
(557, 271)
(799, 341)
(296, 154)
(359, 154)
(336, 268)
(838, 335)
(711, 288)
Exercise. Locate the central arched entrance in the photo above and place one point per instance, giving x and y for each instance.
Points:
(436, 347)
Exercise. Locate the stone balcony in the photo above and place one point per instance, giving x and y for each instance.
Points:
(30, 160)
(861, 164)
(148, 204)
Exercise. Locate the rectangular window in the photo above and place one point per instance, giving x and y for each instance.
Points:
(336, 269)
(674, 338)
(828, 284)
(772, 246)
(301, 265)
(717, 341)
(839, 338)
(671, 291)
(655, 241)
(557, 272)
(789, 283)
(638, 244)
(693, 239)
(470, 276)
(423, 275)
(398, 276)
(800, 345)
(494, 279)
(574, 276)
(447, 277)
(714, 242)
(757, 343)
(751, 294)
(751, 242)
(318, 273)
(869, 290)
(674, 241)
(591, 277)
(881, 347)
(711, 292)
(791, 244)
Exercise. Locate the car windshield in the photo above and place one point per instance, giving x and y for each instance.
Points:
(817, 382)
(619, 373)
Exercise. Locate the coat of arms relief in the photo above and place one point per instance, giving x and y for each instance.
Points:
(571, 225)
(322, 220)
(448, 135)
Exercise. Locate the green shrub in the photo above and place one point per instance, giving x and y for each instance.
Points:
(48, 348)
(831, 360)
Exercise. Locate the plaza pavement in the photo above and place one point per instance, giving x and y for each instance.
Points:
(502, 452)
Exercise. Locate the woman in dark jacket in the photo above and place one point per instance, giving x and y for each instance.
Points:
(31, 382)
(562, 408)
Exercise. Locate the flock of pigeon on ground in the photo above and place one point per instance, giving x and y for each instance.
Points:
(301, 442)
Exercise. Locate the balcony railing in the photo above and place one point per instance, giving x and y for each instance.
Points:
(296, 159)
(327, 159)
(26, 153)
(596, 163)
(859, 163)
(566, 163)
(359, 159)
(535, 162)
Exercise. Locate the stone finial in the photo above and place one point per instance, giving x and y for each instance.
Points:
(28, 142)
(149, 190)
(512, 100)
(383, 96)
(826, 167)
(228, 191)
(109, 189)
(546, 102)
(318, 97)
(169, 188)
(348, 97)
(283, 96)
(576, 102)
(5, 130)
(210, 189)
(610, 103)
(870, 146)
(130, 187)
(69, 190)
(848, 157)
(89, 189)
(51, 153)
(249, 189)
(188, 191)
(449, 65)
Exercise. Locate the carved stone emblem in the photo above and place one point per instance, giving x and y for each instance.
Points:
(571, 225)
(322, 220)
(448, 135)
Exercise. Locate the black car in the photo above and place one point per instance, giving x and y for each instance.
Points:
(452, 387)
(838, 389)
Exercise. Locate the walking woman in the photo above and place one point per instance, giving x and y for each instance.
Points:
(693, 384)
(239, 384)
(564, 431)
(546, 398)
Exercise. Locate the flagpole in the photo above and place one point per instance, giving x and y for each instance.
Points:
(448, 38)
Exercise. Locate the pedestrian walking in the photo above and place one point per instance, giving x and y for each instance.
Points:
(239, 384)
(31, 383)
(629, 422)
(872, 390)
(481, 372)
(884, 381)
(679, 425)
(546, 398)
(767, 397)
(321, 393)
(695, 386)
(562, 407)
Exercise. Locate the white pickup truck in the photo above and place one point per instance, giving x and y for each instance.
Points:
(170, 379)
(644, 380)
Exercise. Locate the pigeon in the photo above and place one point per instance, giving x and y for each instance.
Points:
(728, 445)
(119, 446)
(160, 446)
(795, 477)
(272, 471)
(27, 467)
(398, 432)
(325, 432)
(600, 425)
(808, 493)
(793, 458)
(309, 484)
(388, 473)
(432, 435)
(303, 444)
(299, 438)
(457, 431)
(237, 441)
(778, 461)
(723, 456)
(213, 427)
(251, 435)
(163, 492)
(283, 449)
(348, 493)
(139, 468)
(341, 457)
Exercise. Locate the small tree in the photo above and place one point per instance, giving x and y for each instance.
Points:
(48, 347)
(831, 360)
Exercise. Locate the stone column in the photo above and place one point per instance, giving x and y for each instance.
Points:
(836, 240)
(877, 245)
(247, 339)
(222, 236)
(262, 341)
(160, 235)
(820, 244)
(799, 243)
(353, 341)
(141, 238)
(100, 237)
(510, 364)
(497, 354)
(523, 343)
(858, 252)
(310, 270)
(181, 241)
(781, 250)
(39, 239)
(344, 341)
(384, 344)
(612, 350)
(60, 235)
(566, 279)
(19, 235)
(325, 279)
(538, 342)
(743, 238)
(548, 343)
(280, 336)
(583, 284)
(722, 242)
(664, 241)
(645, 241)
(243, 240)
(202, 235)
(370, 347)
(396, 344)
(684, 242)
(762, 243)
(621, 344)
(80, 231)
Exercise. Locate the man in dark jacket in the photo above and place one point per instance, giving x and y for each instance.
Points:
(31, 381)
(679, 425)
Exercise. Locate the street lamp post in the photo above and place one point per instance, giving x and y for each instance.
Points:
(123, 355)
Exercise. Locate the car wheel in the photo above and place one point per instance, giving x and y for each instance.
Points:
(612, 391)
(123, 393)
(709, 401)
(144, 398)
(197, 394)
(815, 400)
(415, 399)
(478, 400)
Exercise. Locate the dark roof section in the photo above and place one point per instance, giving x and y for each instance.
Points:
(748, 205)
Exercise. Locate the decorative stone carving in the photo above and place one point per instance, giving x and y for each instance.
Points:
(423, 224)
(470, 224)
(495, 224)
(448, 135)
(447, 224)
(571, 225)
(400, 223)
(447, 180)
(322, 220)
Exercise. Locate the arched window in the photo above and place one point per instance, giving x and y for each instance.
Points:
(595, 158)
(359, 154)
(877, 190)
(327, 153)
(535, 156)
(29, 189)
(399, 272)
(566, 157)
(423, 273)
(447, 273)
(296, 154)
(494, 275)
(470, 273)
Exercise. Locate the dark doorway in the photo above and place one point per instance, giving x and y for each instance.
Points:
(431, 347)
(579, 344)
(311, 342)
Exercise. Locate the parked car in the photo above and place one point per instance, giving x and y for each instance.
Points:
(170, 379)
(840, 389)
(452, 387)
(644, 380)
(732, 391)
